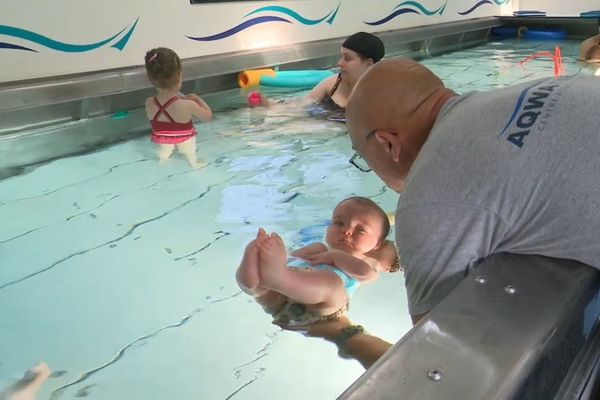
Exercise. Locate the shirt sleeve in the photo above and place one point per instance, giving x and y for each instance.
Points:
(438, 245)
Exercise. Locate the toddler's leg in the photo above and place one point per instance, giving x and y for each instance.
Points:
(310, 287)
(164, 152)
(188, 149)
(28, 386)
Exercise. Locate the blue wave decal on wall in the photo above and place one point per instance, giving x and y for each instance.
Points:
(287, 12)
(14, 47)
(239, 28)
(482, 3)
(52, 44)
(408, 7)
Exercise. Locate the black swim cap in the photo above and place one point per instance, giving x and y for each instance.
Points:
(365, 44)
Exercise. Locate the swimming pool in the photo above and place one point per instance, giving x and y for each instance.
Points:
(119, 273)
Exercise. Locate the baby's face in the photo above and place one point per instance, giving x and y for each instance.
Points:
(354, 228)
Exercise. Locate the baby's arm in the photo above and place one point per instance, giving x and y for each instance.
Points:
(199, 108)
(363, 270)
(307, 251)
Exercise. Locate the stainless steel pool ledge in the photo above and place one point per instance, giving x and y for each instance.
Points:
(517, 327)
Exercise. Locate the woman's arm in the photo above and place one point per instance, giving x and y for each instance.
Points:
(319, 92)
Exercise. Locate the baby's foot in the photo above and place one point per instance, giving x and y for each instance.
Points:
(163, 160)
(272, 259)
(261, 235)
(247, 274)
(27, 387)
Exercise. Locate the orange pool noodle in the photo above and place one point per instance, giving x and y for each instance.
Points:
(251, 78)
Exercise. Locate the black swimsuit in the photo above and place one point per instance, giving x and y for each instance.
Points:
(329, 108)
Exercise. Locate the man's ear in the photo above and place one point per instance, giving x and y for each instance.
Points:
(391, 142)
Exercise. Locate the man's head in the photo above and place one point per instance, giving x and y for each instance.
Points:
(390, 113)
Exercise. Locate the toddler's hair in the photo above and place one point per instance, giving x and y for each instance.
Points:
(163, 67)
(363, 201)
(593, 53)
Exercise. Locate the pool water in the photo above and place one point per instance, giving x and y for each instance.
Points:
(119, 273)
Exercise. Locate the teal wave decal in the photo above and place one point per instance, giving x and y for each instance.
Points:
(408, 7)
(263, 19)
(482, 3)
(418, 6)
(291, 13)
(52, 44)
(120, 45)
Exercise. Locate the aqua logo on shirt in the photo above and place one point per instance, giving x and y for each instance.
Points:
(528, 110)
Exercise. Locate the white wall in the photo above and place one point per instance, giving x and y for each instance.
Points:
(169, 23)
(560, 8)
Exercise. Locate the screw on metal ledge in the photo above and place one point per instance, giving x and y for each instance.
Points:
(435, 375)
(480, 279)
(510, 289)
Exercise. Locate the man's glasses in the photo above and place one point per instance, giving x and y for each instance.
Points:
(357, 160)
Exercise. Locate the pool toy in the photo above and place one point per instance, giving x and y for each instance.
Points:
(505, 32)
(120, 115)
(542, 33)
(294, 79)
(252, 77)
(254, 99)
(556, 58)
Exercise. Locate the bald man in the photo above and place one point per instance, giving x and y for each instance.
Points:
(511, 170)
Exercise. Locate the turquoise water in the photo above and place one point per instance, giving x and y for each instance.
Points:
(119, 273)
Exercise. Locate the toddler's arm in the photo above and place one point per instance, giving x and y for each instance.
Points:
(199, 108)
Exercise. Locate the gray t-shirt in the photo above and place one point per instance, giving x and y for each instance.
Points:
(512, 170)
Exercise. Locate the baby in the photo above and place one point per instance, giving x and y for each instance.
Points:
(170, 112)
(319, 288)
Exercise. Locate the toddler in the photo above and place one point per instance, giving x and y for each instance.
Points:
(170, 112)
